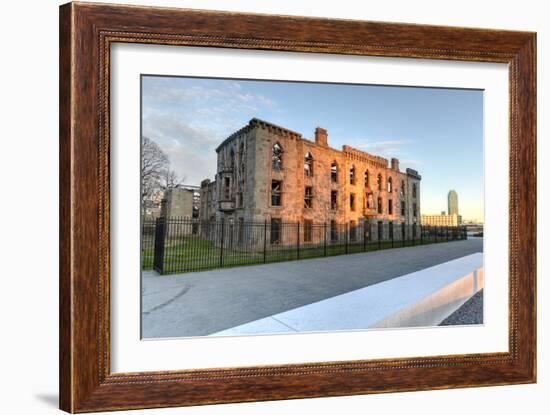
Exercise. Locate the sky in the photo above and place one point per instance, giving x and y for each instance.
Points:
(436, 131)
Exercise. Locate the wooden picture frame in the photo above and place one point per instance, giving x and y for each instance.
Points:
(86, 33)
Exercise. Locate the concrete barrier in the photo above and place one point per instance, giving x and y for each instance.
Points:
(419, 299)
(437, 306)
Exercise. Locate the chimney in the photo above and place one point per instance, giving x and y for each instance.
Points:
(321, 137)
(395, 164)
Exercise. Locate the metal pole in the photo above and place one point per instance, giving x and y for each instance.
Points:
(221, 243)
(364, 236)
(421, 236)
(298, 240)
(265, 241)
(325, 238)
(346, 234)
(392, 235)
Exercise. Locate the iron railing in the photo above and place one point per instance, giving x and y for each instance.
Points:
(176, 245)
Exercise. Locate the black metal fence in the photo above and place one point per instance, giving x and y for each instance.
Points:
(175, 245)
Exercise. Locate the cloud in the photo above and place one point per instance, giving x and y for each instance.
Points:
(384, 146)
(188, 119)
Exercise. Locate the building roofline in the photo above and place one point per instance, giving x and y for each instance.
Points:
(255, 123)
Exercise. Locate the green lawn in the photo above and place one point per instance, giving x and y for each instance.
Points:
(198, 254)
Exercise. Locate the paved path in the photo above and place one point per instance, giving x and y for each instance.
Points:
(202, 303)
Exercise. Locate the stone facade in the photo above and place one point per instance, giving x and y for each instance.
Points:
(266, 172)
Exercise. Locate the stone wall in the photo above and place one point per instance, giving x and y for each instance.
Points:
(178, 202)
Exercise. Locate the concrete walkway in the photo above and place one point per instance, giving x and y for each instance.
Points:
(202, 303)
(420, 299)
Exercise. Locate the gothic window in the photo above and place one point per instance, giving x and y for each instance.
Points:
(390, 185)
(333, 231)
(369, 202)
(352, 201)
(308, 165)
(276, 192)
(242, 160)
(333, 199)
(334, 172)
(308, 197)
(232, 159)
(277, 157)
(352, 230)
(380, 207)
(402, 187)
(379, 182)
(308, 230)
(352, 175)
(366, 178)
(402, 208)
(275, 236)
(226, 188)
(390, 207)
(240, 200)
(414, 210)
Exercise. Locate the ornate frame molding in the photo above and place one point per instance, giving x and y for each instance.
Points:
(86, 33)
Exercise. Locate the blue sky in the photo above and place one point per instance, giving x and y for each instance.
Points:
(438, 132)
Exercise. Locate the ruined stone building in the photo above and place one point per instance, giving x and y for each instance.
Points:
(270, 173)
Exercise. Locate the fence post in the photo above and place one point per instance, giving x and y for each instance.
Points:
(298, 240)
(421, 236)
(325, 238)
(447, 233)
(346, 236)
(392, 235)
(414, 233)
(265, 241)
(158, 253)
(222, 236)
(364, 236)
(380, 235)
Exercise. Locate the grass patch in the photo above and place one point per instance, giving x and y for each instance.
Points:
(198, 254)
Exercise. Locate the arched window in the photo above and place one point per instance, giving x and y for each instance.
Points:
(277, 157)
(334, 172)
(352, 175)
(414, 189)
(402, 187)
(380, 207)
(232, 158)
(390, 185)
(366, 178)
(369, 202)
(379, 182)
(308, 165)
(242, 159)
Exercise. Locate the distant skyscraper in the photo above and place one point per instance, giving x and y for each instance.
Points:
(452, 200)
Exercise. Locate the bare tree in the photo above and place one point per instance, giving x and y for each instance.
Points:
(154, 164)
(171, 179)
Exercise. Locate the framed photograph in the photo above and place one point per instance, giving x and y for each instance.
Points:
(258, 207)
